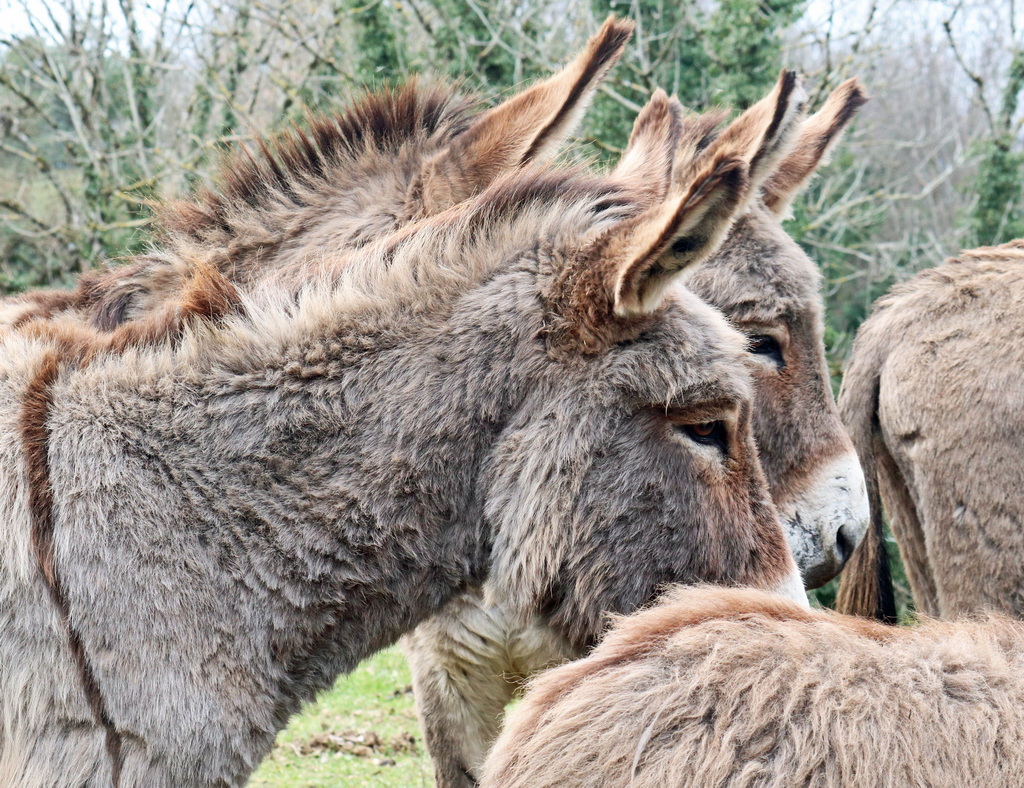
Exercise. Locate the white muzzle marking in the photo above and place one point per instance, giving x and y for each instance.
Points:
(827, 520)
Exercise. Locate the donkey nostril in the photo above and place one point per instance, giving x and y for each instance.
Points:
(844, 546)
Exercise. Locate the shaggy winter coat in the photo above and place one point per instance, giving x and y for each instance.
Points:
(468, 661)
(366, 188)
(717, 688)
(932, 400)
(212, 511)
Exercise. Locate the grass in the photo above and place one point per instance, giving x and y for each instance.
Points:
(362, 733)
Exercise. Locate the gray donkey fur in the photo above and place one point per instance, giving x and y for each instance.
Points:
(212, 514)
(786, 302)
(468, 661)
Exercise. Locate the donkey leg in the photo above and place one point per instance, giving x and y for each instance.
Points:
(459, 665)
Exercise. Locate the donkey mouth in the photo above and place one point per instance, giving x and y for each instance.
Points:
(825, 522)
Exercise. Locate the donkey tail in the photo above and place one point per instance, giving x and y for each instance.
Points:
(865, 587)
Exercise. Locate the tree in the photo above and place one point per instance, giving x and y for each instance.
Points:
(995, 216)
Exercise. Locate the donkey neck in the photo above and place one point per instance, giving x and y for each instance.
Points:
(338, 484)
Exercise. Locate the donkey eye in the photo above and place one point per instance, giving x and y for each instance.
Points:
(767, 346)
(710, 433)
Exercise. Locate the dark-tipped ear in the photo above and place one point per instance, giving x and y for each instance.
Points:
(647, 163)
(764, 134)
(528, 127)
(649, 251)
(814, 144)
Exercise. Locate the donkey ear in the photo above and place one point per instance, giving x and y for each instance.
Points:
(647, 163)
(759, 138)
(649, 251)
(762, 135)
(529, 126)
(814, 145)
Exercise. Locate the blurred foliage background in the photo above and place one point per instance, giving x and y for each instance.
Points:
(109, 105)
(106, 106)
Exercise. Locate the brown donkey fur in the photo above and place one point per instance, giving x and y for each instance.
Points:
(396, 156)
(929, 398)
(205, 524)
(770, 290)
(721, 688)
(468, 661)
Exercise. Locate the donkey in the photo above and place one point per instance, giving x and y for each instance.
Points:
(397, 156)
(729, 687)
(406, 154)
(468, 662)
(212, 511)
(929, 398)
(771, 290)
(801, 387)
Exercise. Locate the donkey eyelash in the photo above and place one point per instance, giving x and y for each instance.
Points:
(708, 433)
(767, 346)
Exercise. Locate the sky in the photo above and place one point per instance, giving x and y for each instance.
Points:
(14, 14)
(977, 23)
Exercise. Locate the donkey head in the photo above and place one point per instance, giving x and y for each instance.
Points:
(769, 289)
(633, 463)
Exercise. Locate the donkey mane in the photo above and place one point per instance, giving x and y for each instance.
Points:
(543, 188)
(337, 182)
(435, 259)
(262, 194)
(380, 123)
(423, 267)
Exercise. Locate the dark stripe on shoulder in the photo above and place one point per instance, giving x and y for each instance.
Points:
(35, 412)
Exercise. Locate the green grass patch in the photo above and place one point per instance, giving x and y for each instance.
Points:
(363, 732)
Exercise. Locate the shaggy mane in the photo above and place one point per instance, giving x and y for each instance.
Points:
(516, 213)
(381, 122)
